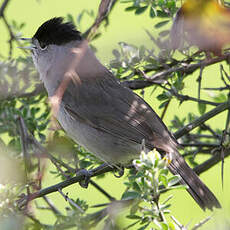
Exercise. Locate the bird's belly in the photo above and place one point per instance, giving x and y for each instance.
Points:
(105, 146)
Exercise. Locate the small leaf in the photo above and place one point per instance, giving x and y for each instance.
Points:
(173, 180)
(202, 108)
(129, 195)
(152, 12)
(220, 98)
(133, 217)
(162, 14)
(162, 97)
(131, 8)
(160, 24)
(141, 10)
(162, 105)
(164, 33)
(179, 187)
(164, 226)
(163, 179)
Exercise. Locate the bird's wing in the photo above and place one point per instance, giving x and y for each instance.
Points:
(118, 111)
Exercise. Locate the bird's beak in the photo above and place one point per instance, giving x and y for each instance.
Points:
(25, 39)
(31, 47)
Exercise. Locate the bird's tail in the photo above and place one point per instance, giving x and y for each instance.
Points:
(196, 188)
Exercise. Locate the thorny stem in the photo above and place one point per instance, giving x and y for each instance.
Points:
(197, 122)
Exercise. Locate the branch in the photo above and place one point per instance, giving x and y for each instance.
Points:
(188, 98)
(3, 7)
(104, 10)
(185, 67)
(137, 84)
(190, 68)
(211, 162)
(54, 188)
(12, 37)
(186, 129)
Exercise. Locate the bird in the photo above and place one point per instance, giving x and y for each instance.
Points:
(97, 112)
(202, 23)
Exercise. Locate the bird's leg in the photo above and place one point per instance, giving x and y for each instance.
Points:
(120, 170)
(87, 175)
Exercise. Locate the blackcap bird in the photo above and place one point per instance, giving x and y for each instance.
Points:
(100, 114)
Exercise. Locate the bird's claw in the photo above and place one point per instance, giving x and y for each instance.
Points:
(120, 172)
(86, 174)
(22, 201)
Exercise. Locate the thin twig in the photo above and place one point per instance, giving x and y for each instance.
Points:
(51, 205)
(3, 7)
(201, 144)
(54, 188)
(215, 159)
(188, 98)
(199, 79)
(102, 190)
(201, 223)
(24, 143)
(181, 226)
(70, 201)
(190, 68)
(197, 122)
(165, 109)
(104, 10)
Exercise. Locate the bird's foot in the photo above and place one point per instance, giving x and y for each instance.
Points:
(86, 175)
(119, 172)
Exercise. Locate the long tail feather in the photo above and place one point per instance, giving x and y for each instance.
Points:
(197, 189)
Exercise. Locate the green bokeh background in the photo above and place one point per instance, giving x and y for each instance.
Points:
(126, 27)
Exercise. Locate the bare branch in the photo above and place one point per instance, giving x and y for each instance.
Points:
(201, 223)
(189, 68)
(211, 162)
(65, 196)
(197, 122)
(3, 7)
(104, 9)
(54, 188)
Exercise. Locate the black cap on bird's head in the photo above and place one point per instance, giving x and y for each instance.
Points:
(57, 32)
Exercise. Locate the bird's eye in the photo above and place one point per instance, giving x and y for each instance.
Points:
(43, 45)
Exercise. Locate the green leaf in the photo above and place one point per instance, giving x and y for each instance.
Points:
(163, 104)
(160, 24)
(152, 12)
(133, 217)
(162, 14)
(129, 195)
(164, 171)
(164, 33)
(141, 10)
(179, 187)
(202, 108)
(162, 97)
(220, 98)
(171, 226)
(163, 179)
(130, 8)
(173, 180)
(164, 226)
